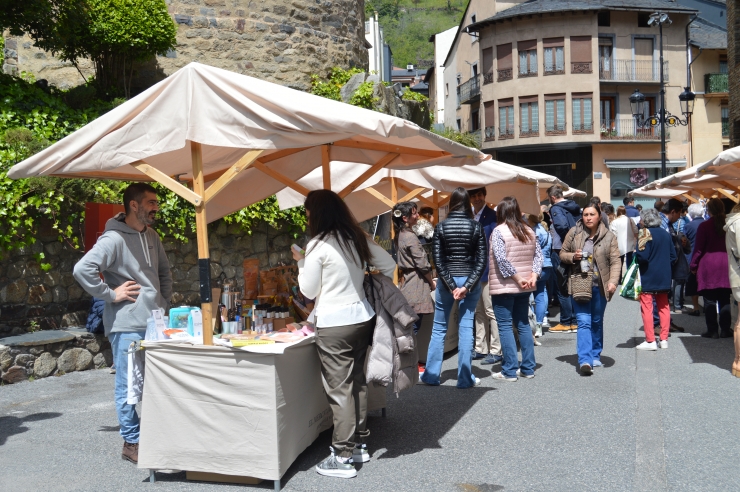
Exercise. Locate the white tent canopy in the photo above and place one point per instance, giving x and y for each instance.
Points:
(574, 193)
(238, 140)
(377, 195)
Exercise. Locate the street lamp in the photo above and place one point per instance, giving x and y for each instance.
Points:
(662, 118)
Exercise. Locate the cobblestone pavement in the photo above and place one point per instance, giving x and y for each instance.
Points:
(650, 421)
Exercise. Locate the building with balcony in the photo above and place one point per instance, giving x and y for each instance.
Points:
(552, 89)
(710, 123)
(462, 72)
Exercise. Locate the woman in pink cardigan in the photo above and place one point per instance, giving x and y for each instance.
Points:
(515, 265)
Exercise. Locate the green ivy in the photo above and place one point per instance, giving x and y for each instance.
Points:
(464, 138)
(409, 95)
(363, 96)
(330, 88)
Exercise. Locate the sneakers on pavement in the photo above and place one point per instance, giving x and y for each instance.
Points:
(334, 466)
(477, 381)
(538, 330)
(663, 344)
(130, 452)
(525, 376)
(492, 359)
(360, 454)
(478, 356)
(574, 328)
(597, 363)
(586, 370)
(560, 328)
(647, 346)
(499, 376)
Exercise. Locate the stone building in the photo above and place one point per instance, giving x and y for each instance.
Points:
(283, 41)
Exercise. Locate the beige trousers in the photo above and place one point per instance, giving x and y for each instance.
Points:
(486, 328)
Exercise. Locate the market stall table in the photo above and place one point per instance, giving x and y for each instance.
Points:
(265, 404)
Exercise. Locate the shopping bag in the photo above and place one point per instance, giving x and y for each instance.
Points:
(631, 286)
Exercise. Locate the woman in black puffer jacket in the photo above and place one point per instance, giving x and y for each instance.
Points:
(459, 249)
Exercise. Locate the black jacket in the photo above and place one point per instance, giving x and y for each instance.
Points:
(459, 250)
(564, 215)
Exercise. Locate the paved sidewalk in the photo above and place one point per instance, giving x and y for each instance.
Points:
(650, 421)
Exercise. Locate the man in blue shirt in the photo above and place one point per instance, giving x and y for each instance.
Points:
(629, 207)
(487, 342)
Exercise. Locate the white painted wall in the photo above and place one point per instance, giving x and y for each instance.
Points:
(442, 45)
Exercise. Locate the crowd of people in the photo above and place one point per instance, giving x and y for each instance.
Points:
(504, 270)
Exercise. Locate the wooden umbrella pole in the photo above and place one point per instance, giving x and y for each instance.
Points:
(201, 227)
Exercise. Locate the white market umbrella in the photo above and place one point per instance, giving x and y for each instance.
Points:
(238, 140)
(430, 186)
(574, 193)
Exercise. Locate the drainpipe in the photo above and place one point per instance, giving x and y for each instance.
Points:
(689, 61)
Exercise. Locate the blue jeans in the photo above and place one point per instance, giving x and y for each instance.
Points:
(127, 417)
(513, 309)
(590, 317)
(443, 302)
(567, 317)
(540, 295)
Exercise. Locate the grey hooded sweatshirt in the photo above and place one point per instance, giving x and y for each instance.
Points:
(123, 254)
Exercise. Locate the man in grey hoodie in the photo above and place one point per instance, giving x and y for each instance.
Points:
(136, 280)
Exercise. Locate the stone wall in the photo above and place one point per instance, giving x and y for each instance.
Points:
(31, 298)
(44, 354)
(281, 41)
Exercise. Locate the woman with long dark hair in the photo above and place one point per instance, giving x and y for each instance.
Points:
(415, 272)
(515, 266)
(459, 249)
(709, 264)
(593, 250)
(332, 272)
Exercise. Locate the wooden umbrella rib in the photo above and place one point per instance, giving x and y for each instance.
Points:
(384, 161)
(281, 178)
(225, 179)
(690, 198)
(325, 167)
(265, 159)
(397, 149)
(168, 183)
(413, 194)
(407, 189)
(728, 195)
(380, 196)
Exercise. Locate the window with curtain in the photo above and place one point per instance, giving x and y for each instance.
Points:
(529, 117)
(554, 56)
(506, 119)
(583, 113)
(527, 58)
(555, 115)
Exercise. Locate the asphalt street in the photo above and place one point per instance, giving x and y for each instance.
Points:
(652, 421)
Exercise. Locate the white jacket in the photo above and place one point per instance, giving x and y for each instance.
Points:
(626, 231)
(333, 279)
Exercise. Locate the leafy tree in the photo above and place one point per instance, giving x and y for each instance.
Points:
(112, 33)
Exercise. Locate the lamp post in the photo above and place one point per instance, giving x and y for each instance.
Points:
(662, 118)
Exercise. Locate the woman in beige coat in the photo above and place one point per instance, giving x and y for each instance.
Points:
(732, 241)
(591, 247)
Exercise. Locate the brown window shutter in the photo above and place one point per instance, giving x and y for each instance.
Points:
(554, 97)
(502, 103)
(605, 41)
(527, 45)
(552, 42)
(488, 60)
(503, 53)
(528, 99)
(580, 49)
(489, 113)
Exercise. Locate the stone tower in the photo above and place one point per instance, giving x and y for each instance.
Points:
(283, 41)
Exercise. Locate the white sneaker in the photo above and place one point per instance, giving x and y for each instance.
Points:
(663, 344)
(525, 376)
(360, 454)
(477, 381)
(537, 343)
(647, 346)
(499, 376)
